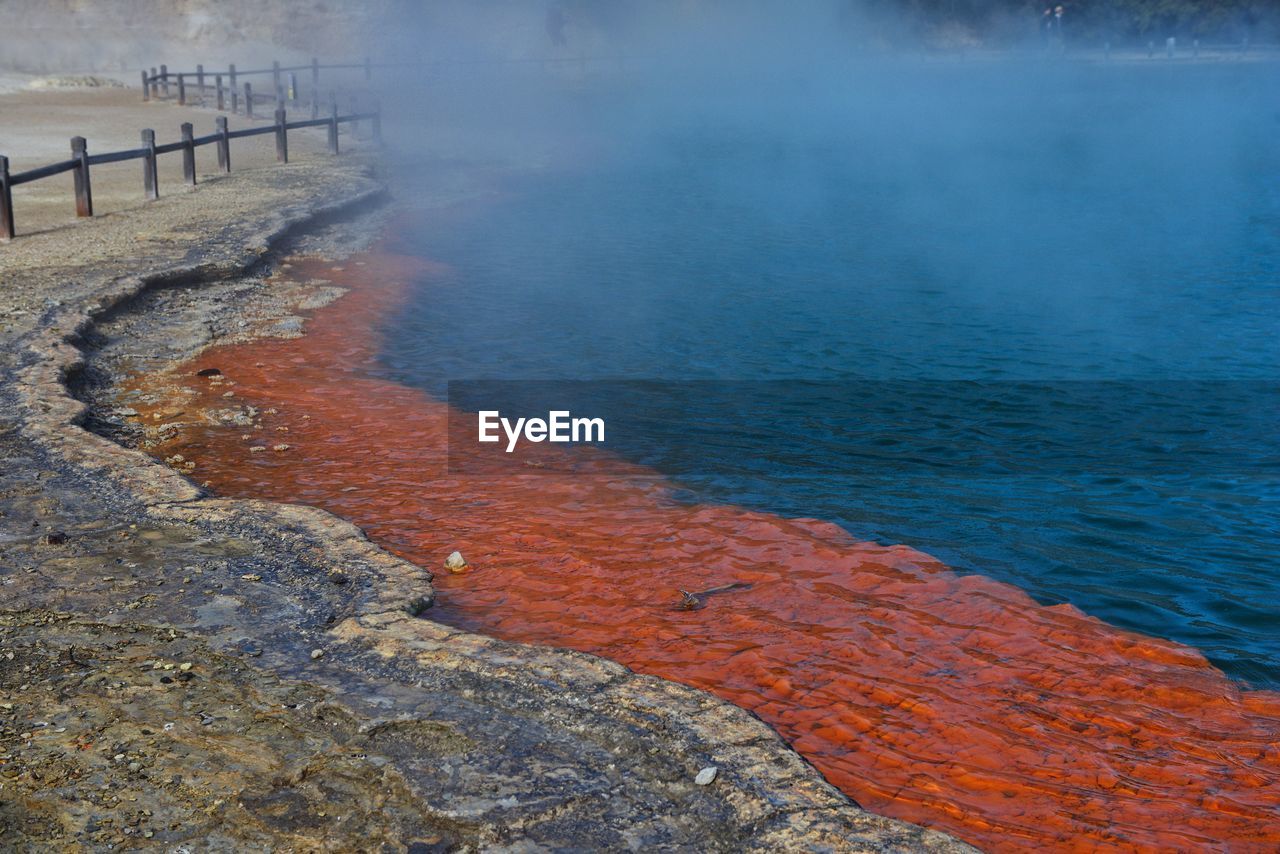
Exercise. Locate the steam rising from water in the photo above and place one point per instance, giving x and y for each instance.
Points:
(753, 205)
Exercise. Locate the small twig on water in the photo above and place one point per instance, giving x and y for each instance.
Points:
(693, 601)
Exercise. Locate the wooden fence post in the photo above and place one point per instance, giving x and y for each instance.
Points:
(6, 202)
(275, 77)
(182, 90)
(188, 154)
(224, 144)
(84, 193)
(315, 80)
(235, 100)
(248, 99)
(333, 123)
(231, 77)
(150, 174)
(282, 137)
(200, 80)
(155, 84)
(164, 79)
(217, 82)
(146, 86)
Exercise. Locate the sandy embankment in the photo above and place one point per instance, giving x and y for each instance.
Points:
(179, 669)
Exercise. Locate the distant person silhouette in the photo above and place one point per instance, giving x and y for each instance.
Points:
(556, 21)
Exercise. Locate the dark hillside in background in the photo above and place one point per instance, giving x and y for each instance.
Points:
(991, 23)
(45, 36)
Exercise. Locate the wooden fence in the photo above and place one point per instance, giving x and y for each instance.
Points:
(229, 91)
(157, 85)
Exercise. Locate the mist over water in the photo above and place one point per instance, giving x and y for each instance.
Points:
(897, 221)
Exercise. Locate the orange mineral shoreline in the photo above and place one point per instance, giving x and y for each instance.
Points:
(947, 700)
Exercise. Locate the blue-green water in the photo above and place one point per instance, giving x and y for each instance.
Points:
(1024, 319)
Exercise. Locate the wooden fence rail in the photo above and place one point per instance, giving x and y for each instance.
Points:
(161, 83)
(284, 87)
(81, 160)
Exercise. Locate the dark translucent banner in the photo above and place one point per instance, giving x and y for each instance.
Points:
(871, 428)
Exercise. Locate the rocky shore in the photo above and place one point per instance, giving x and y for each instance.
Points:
(178, 669)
